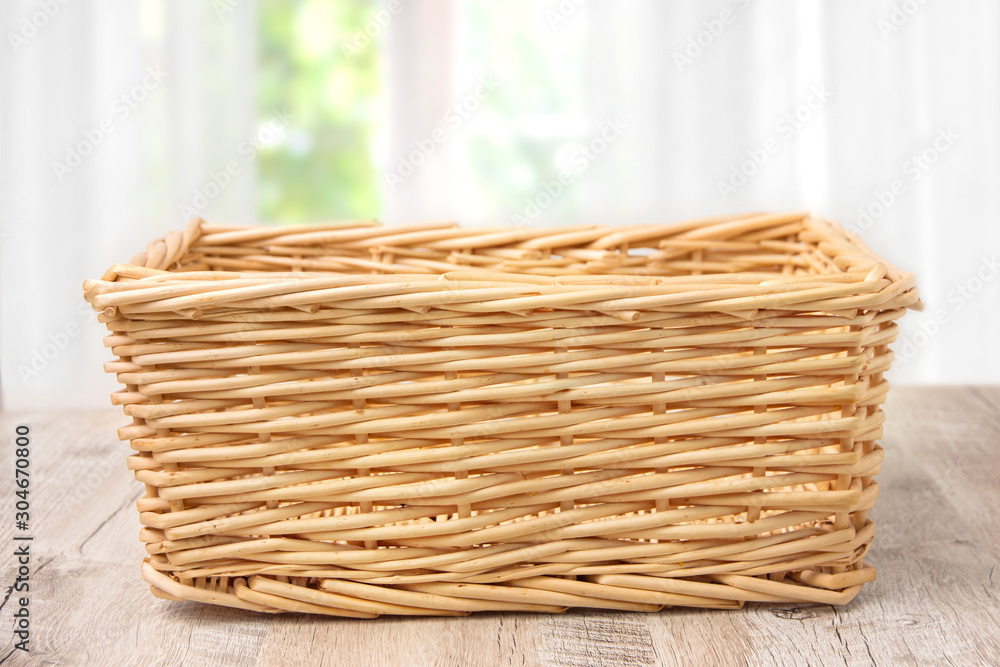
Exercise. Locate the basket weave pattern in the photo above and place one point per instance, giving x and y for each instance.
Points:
(358, 420)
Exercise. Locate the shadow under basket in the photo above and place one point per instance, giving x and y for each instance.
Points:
(357, 420)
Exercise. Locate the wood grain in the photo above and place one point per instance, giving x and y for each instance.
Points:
(937, 599)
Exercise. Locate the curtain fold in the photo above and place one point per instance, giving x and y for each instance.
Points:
(115, 113)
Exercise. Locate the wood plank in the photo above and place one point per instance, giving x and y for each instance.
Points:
(937, 599)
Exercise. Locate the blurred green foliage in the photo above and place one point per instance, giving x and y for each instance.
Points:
(321, 59)
(318, 61)
(514, 143)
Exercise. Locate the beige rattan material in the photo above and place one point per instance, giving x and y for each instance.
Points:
(358, 420)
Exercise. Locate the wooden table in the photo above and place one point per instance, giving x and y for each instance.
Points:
(937, 599)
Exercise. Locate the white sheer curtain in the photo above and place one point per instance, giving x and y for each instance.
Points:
(700, 94)
(114, 113)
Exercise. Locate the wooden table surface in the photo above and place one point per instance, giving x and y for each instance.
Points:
(936, 601)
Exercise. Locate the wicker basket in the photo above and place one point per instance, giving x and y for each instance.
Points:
(358, 420)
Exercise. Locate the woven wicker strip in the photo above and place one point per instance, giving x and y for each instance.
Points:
(358, 420)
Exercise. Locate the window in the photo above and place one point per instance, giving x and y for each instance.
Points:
(317, 60)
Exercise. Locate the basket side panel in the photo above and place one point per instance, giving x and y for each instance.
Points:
(336, 465)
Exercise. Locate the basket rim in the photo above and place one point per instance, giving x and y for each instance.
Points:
(865, 280)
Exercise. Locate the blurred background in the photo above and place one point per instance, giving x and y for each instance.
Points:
(122, 119)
